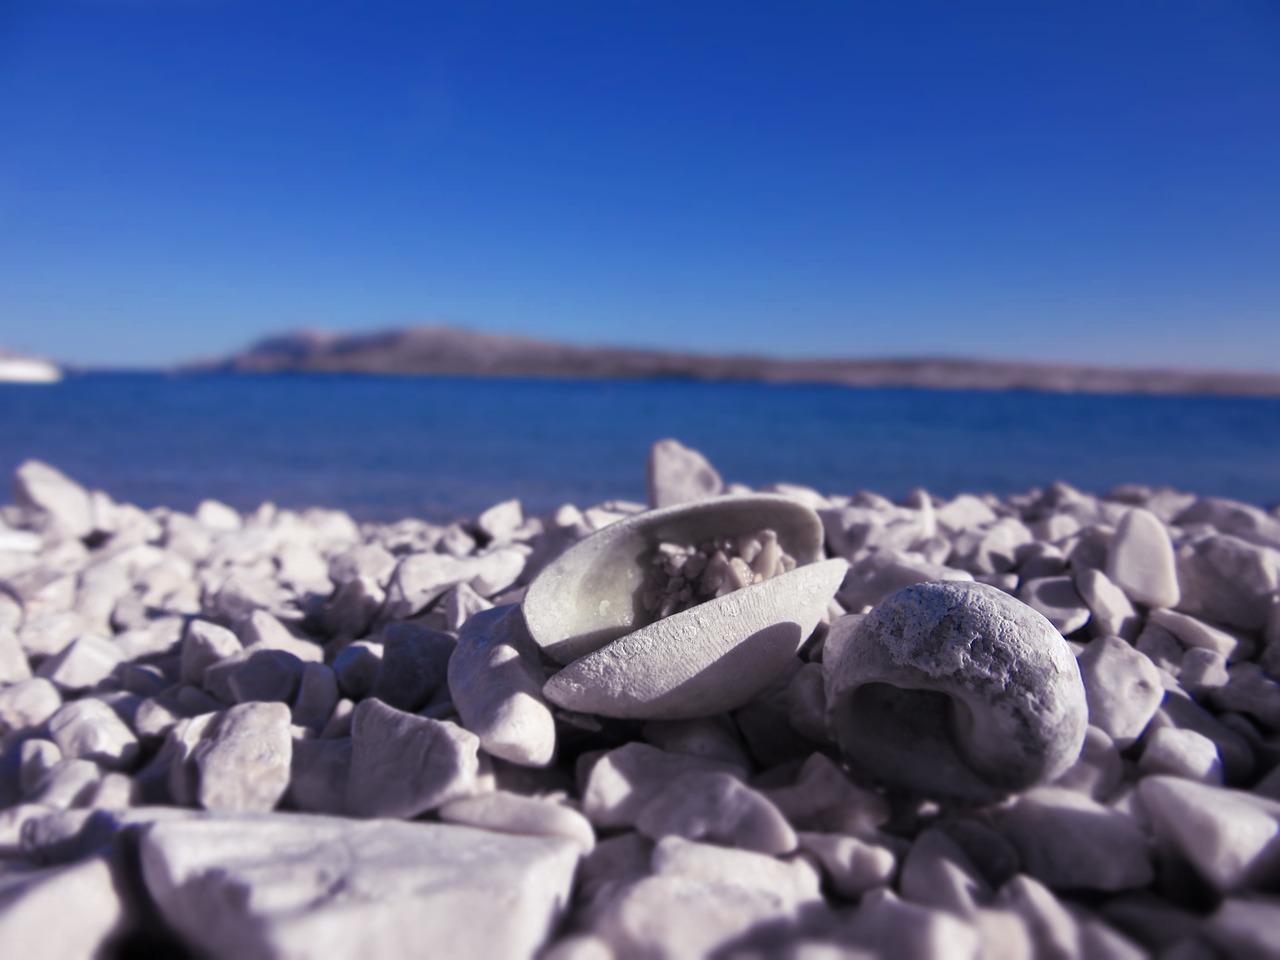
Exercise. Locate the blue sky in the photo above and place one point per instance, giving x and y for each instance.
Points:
(1082, 181)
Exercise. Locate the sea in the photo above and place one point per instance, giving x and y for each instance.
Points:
(442, 448)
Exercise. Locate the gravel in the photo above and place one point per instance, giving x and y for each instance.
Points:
(283, 734)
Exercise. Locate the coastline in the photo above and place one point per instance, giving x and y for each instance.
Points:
(425, 351)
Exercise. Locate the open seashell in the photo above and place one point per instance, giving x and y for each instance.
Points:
(955, 690)
(587, 609)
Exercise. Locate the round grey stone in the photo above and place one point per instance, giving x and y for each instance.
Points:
(957, 691)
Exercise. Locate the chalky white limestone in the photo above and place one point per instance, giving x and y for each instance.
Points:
(330, 887)
(160, 587)
(496, 681)
(1141, 561)
(1231, 837)
(717, 808)
(403, 765)
(63, 502)
(677, 474)
(1122, 686)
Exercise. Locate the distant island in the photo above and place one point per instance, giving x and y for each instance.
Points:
(453, 351)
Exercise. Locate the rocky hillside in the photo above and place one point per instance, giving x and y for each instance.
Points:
(447, 350)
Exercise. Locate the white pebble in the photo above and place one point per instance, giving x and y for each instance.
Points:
(1122, 686)
(716, 808)
(1140, 561)
(91, 730)
(495, 681)
(513, 813)
(1229, 836)
(1181, 753)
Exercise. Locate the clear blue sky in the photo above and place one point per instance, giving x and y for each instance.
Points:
(1085, 181)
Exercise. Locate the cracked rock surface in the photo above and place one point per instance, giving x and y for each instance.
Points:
(285, 734)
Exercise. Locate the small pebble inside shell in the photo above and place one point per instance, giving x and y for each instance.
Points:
(684, 575)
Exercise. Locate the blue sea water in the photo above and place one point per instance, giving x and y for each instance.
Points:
(445, 447)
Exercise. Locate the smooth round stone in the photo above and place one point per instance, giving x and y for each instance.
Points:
(955, 690)
(1141, 562)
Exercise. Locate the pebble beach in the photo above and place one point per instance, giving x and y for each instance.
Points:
(727, 722)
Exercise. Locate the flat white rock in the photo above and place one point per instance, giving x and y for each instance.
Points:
(68, 783)
(1228, 580)
(1054, 931)
(60, 913)
(36, 757)
(1058, 601)
(823, 798)
(1248, 690)
(419, 579)
(83, 663)
(678, 474)
(964, 512)
(90, 730)
(512, 813)
(1113, 612)
(884, 573)
(496, 569)
(896, 928)
(14, 667)
(936, 873)
(675, 918)
(851, 865)
(495, 682)
(403, 765)
(302, 886)
(42, 487)
(371, 560)
(717, 808)
(1246, 928)
(414, 665)
(502, 520)
(203, 644)
(1099, 771)
(1192, 632)
(1141, 562)
(243, 758)
(27, 704)
(1123, 688)
(1071, 842)
(264, 631)
(623, 781)
(1232, 838)
(1202, 671)
(795, 881)
(1181, 753)
(589, 595)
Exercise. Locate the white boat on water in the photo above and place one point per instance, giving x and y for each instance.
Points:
(28, 370)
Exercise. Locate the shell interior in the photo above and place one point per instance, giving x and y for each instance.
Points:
(592, 594)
